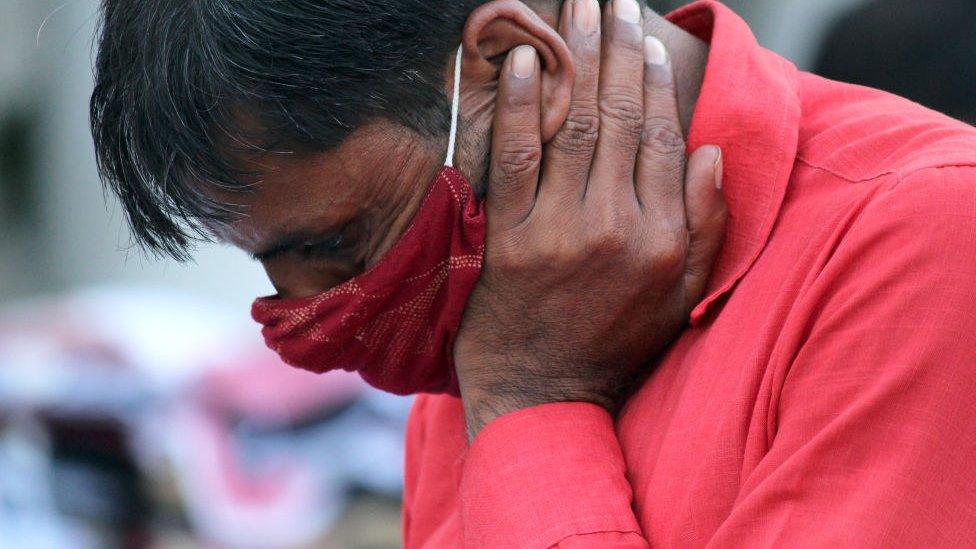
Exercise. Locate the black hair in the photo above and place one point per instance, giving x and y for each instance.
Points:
(183, 87)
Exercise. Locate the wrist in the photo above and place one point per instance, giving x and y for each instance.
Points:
(496, 383)
(482, 406)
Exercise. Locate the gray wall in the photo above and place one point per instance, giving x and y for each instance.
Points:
(78, 238)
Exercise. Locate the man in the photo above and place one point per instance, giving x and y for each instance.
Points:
(819, 395)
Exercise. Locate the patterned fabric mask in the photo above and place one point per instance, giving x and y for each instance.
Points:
(395, 324)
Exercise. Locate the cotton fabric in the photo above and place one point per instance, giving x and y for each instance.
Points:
(395, 324)
(822, 394)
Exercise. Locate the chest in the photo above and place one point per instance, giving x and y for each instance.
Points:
(704, 419)
(708, 413)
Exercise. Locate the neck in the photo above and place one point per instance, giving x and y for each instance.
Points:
(689, 56)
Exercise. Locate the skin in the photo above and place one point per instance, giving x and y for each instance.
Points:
(599, 242)
(315, 197)
(573, 224)
(311, 195)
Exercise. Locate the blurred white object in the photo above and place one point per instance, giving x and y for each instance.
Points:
(28, 513)
(262, 455)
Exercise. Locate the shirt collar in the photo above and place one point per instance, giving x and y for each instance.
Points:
(750, 107)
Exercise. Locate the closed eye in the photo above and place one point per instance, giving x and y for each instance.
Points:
(338, 245)
(330, 248)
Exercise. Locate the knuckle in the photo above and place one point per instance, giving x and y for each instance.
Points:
(517, 158)
(624, 109)
(558, 251)
(564, 255)
(670, 252)
(515, 258)
(580, 132)
(662, 136)
(608, 242)
(612, 235)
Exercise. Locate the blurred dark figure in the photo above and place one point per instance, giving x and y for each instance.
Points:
(922, 50)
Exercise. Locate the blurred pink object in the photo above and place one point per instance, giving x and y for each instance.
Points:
(258, 386)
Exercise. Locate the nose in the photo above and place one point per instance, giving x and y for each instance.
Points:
(295, 279)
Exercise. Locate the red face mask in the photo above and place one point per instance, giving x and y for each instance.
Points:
(395, 324)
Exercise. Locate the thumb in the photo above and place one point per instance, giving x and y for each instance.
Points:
(706, 215)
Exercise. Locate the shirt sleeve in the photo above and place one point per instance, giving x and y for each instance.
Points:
(874, 438)
(548, 476)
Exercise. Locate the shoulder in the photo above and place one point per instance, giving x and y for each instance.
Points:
(930, 208)
(903, 269)
(890, 316)
(912, 232)
(862, 134)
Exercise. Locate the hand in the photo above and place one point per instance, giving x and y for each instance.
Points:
(600, 243)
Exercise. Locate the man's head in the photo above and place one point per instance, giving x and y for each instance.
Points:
(302, 131)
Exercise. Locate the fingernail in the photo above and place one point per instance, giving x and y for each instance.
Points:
(719, 168)
(654, 51)
(627, 10)
(586, 15)
(523, 62)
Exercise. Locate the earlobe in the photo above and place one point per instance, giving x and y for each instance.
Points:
(495, 28)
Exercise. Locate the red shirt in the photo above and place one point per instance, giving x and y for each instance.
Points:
(823, 393)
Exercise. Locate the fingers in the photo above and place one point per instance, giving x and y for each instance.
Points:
(621, 100)
(661, 159)
(706, 213)
(567, 157)
(516, 147)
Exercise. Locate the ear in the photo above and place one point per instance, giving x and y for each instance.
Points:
(494, 29)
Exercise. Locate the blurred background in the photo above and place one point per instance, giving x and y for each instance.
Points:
(138, 407)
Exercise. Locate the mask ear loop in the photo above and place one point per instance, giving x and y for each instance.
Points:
(455, 108)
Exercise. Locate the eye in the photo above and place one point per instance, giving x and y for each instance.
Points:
(330, 248)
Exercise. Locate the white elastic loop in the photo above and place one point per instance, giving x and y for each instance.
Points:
(455, 107)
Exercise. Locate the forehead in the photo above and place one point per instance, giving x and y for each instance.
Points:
(371, 169)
